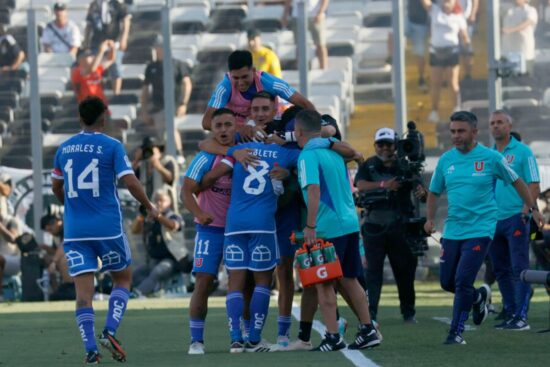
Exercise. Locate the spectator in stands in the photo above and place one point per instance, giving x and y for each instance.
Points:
(470, 9)
(263, 58)
(518, 32)
(12, 57)
(108, 20)
(156, 170)
(87, 76)
(162, 263)
(447, 25)
(238, 87)
(5, 191)
(10, 256)
(61, 35)
(316, 13)
(152, 92)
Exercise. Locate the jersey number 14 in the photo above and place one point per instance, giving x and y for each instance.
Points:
(91, 169)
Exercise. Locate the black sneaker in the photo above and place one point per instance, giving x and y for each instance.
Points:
(330, 344)
(454, 338)
(517, 324)
(92, 357)
(504, 323)
(479, 309)
(365, 338)
(109, 342)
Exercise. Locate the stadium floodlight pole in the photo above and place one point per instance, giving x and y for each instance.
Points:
(494, 82)
(36, 123)
(302, 48)
(398, 67)
(168, 81)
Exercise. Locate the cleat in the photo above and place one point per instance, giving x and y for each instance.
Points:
(236, 347)
(367, 337)
(504, 323)
(260, 347)
(299, 345)
(376, 325)
(342, 326)
(517, 324)
(328, 345)
(92, 357)
(196, 348)
(479, 308)
(454, 338)
(283, 342)
(110, 343)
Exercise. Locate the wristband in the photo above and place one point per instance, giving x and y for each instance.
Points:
(290, 137)
(382, 184)
(310, 227)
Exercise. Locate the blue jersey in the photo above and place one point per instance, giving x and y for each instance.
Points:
(470, 183)
(90, 164)
(270, 84)
(520, 157)
(253, 201)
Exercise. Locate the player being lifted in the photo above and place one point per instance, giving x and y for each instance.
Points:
(86, 170)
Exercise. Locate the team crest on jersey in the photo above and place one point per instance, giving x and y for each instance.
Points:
(198, 262)
(510, 158)
(479, 166)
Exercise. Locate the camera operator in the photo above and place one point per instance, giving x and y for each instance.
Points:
(164, 244)
(156, 170)
(386, 197)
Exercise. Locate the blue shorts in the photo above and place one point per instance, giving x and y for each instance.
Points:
(418, 34)
(347, 249)
(82, 255)
(288, 220)
(252, 251)
(208, 249)
(115, 70)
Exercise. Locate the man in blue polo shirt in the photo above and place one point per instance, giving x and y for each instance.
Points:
(468, 173)
(330, 210)
(509, 250)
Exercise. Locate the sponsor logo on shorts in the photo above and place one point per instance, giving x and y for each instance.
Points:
(261, 254)
(234, 253)
(476, 248)
(74, 258)
(111, 258)
(518, 233)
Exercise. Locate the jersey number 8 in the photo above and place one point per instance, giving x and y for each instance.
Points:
(256, 174)
(92, 169)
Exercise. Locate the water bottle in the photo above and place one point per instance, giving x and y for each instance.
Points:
(278, 187)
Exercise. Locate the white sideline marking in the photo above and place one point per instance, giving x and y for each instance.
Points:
(447, 321)
(356, 357)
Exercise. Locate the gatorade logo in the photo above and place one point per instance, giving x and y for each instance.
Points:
(118, 310)
(307, 261)
(518, 233)
(322, 272)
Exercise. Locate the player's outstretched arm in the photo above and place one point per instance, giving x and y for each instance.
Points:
(135, 188)
(525, 194)
(207, 118)
(210, 145)
(213, 175)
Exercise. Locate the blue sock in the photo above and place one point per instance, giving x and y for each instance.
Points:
(235, 304)
(284, 325)
(85, 320)
(259, 306)
(197, 330)
(117, 306)
(246, 326)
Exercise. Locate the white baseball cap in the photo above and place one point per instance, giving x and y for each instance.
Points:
(385, 134)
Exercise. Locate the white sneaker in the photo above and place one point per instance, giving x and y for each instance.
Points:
(283, 342)
(196, 348)
(433, 116)
(299, 345)
(262, 347)
(377, 328)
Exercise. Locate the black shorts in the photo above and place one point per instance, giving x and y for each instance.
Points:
(347, 249)
(444, 57)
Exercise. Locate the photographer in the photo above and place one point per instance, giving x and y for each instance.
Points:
(156, 170)
(164, 245)
(385, 188)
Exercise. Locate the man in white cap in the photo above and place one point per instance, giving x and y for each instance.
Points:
(387, 203)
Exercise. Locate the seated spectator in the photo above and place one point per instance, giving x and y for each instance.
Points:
(164, 244)
(263, 58)
(10, 256)
(61, 35)
(108, 20)
(87, 76)
(152, 92)
(518, 32)
(12, 57)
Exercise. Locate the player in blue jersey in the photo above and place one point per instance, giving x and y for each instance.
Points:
(509, 250)
(84, 179)
(210, 210)
(468, 174)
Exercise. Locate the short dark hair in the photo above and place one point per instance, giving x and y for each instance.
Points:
(465, 116)
(502, 111)
(47, 220)
(239, 59)
(263, 94)
(91, 109)
(223, 111)
(309, 120)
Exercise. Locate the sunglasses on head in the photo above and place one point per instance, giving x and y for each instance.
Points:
(384, 143)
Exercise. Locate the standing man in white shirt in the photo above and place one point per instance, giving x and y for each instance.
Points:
(61, 35)
(316, 14)
(518, 32)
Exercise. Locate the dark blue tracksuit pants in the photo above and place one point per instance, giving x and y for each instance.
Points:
(510, 256)
(459, 264)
